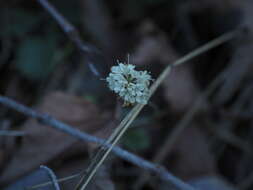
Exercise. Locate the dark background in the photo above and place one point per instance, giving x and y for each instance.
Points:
(41, 67)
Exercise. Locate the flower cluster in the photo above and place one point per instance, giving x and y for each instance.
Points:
(129, 84)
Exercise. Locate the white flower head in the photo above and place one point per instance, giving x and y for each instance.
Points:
(129, 84)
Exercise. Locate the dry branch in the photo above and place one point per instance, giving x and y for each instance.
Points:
(134, 159)
(52, 176)
(73, 35)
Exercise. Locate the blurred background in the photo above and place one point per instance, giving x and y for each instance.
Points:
(198, 124)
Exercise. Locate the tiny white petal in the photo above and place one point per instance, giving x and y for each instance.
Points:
(131, 85)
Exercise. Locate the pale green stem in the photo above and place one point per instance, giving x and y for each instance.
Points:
(126, 122)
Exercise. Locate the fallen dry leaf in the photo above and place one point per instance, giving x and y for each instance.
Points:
(193, 156)
(45, 143)
(180, 89)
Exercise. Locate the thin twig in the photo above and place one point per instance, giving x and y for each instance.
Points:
(126, 122)
(229, 138)
(60, 180)
(68, 28)
(132, 158)
(52, 176)
(12, 133)
(103, 153)
(73, 35)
